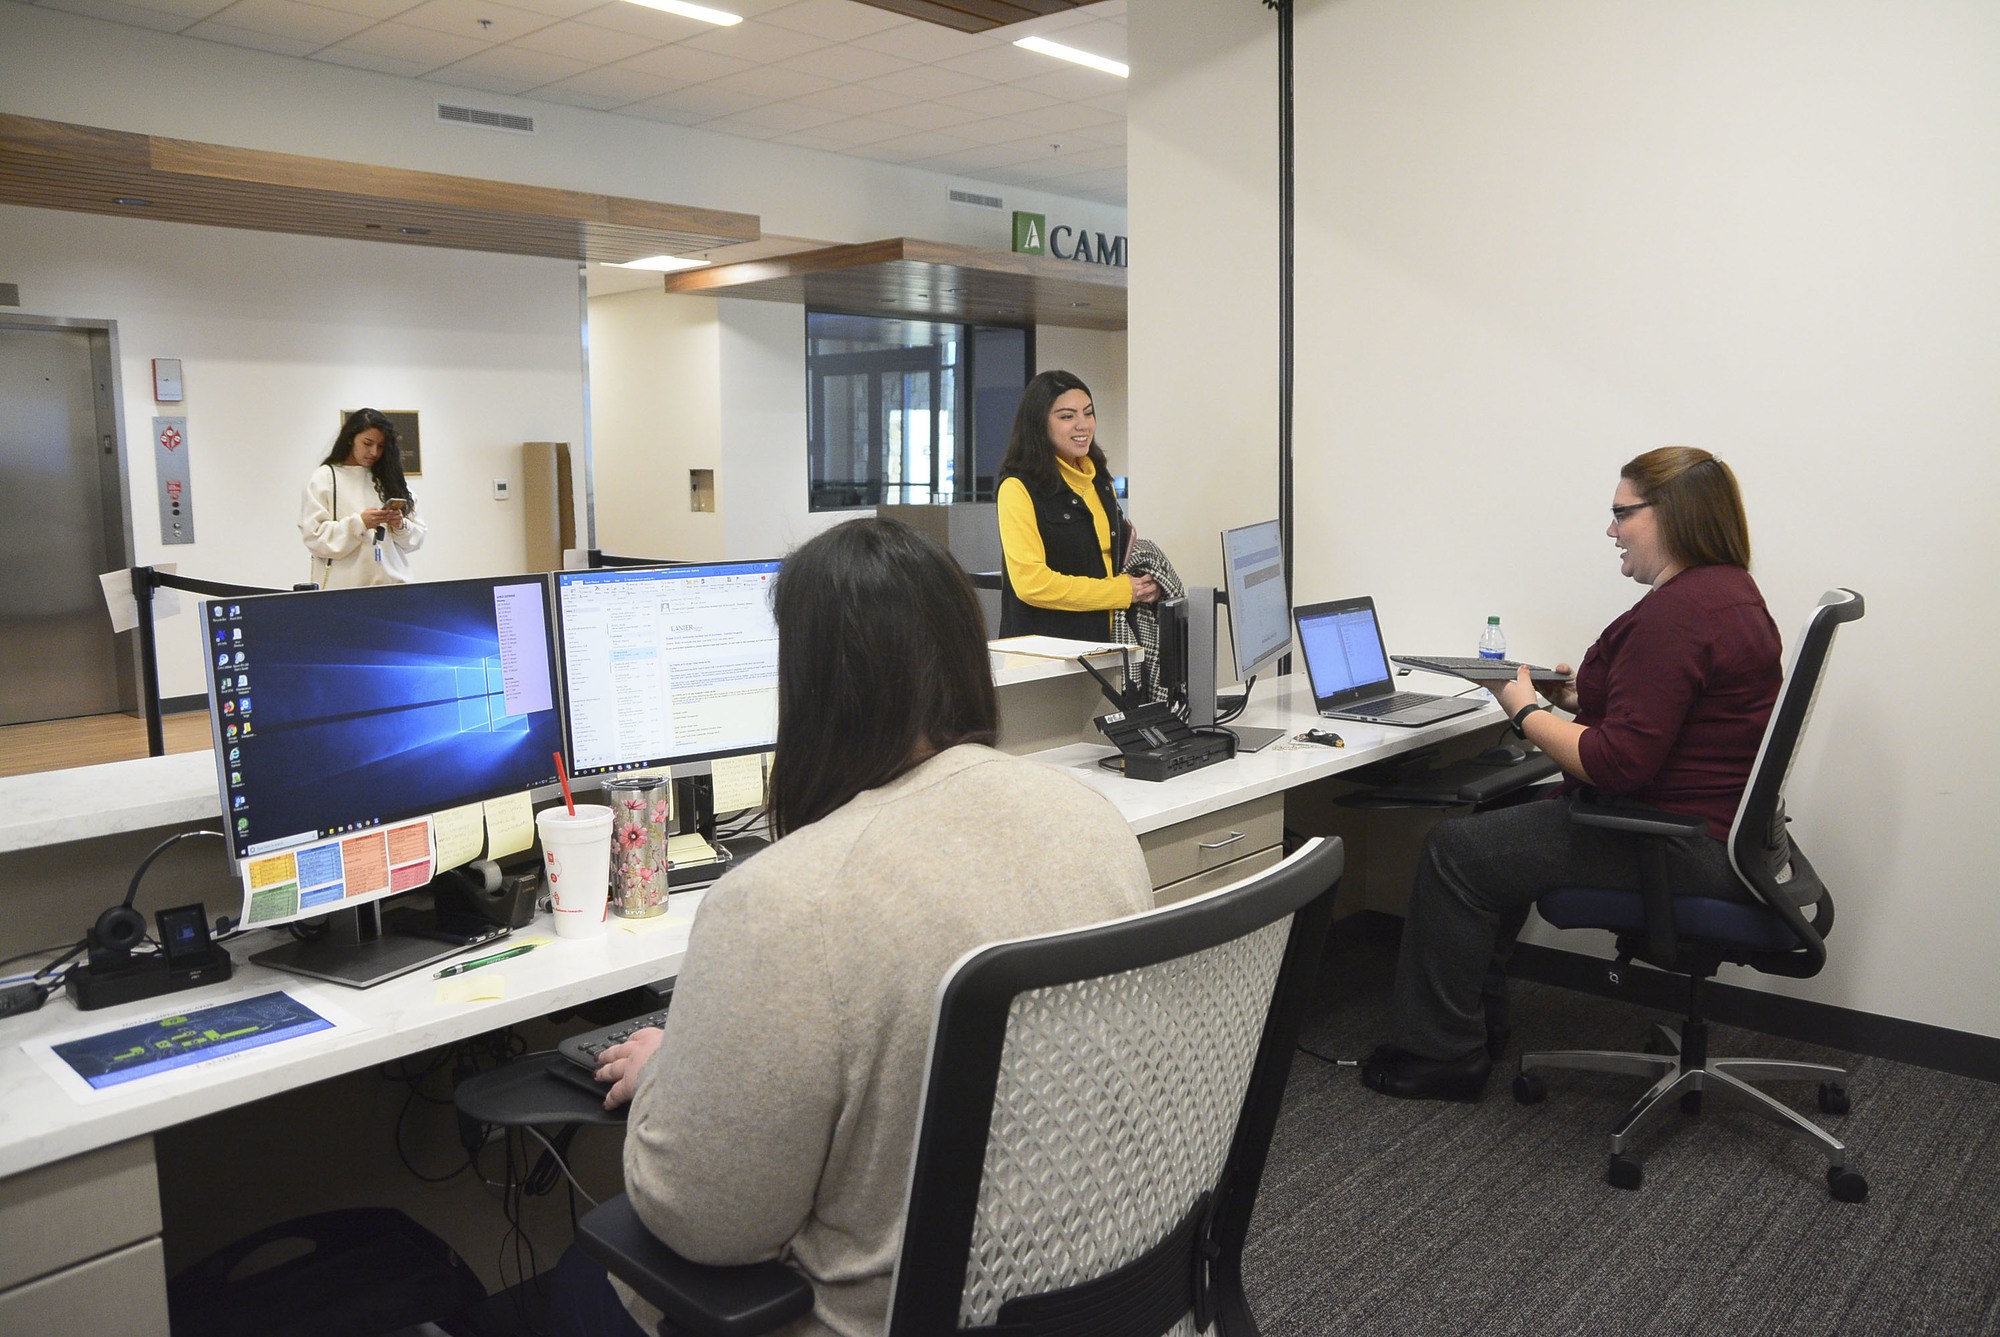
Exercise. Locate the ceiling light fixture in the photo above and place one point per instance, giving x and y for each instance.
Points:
(719, 18)
(1074, 56)
(131, 201)
(662, 264)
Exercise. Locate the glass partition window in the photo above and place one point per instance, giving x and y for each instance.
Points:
(903, 411)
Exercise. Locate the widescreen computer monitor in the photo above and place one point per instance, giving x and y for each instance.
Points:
(1260, 618)
(342, 718)
(667, 664)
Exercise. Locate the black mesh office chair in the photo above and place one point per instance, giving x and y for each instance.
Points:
(1693, 936)
(1096, 1115)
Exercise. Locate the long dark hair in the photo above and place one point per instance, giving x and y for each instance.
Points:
(1030, 453)
(388, 466)
(881, 662)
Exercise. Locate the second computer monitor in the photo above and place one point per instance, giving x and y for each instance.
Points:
(1260, 617)
(667, 664)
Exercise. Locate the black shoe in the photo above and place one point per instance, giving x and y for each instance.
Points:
(1398, 1072)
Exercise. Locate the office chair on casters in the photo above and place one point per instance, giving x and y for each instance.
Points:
(1694, 936)
(1096, 1114)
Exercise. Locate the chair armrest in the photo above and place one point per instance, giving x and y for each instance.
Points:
(708, 1301)
(1588, 808)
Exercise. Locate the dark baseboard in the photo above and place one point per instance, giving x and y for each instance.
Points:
(1843, 1028)
(181, 705)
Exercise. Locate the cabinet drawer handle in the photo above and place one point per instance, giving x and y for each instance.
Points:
(1229, 839)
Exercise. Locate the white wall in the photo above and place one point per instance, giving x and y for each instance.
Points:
(1098, 357)
(656, 413)
(761, 491)
(276, 335)
(1538, 239)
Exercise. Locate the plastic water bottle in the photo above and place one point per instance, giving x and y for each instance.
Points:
(1492, 641)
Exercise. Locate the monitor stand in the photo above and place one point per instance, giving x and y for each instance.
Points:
(358, 953)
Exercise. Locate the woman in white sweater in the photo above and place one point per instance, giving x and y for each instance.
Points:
(775, 1116)
(358, 518)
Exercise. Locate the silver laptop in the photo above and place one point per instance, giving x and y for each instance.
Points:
(1342, 644)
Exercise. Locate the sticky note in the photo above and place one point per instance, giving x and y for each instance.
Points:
(739, 782)
(483, 986)
(461, 834)
(510, 825)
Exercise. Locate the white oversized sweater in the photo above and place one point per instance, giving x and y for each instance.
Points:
(343, 549)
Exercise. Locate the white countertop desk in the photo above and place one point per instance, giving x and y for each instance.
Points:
(42, 1124)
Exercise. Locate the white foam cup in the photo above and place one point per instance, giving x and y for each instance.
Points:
(576, 854)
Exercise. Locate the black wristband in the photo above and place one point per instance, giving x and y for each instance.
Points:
(1522, 714)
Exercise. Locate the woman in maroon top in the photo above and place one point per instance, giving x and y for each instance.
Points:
(1670, 707)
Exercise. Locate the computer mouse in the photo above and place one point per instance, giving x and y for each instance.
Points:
(1504, 754)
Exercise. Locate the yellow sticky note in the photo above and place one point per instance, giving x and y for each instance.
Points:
(739, 782)
(510, 825)
(478, 987)
(461, 833)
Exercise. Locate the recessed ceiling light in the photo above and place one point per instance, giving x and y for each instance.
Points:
(664, 264)
(716, 16)
(415, 231)
(1071, 54)
(131, 201)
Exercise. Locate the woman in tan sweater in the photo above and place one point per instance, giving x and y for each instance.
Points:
(775, 1116)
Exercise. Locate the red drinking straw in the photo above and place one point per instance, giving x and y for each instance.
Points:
(563, 775)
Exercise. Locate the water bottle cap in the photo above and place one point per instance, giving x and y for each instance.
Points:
(1493, 621)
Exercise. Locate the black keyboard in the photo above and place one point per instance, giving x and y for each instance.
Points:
(582, 1050)
(1476, 663)
(1388, 705)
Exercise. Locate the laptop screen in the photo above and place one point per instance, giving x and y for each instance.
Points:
(1343, 650)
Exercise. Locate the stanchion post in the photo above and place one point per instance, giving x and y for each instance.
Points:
(149, 662)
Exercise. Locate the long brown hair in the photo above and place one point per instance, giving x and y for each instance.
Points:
(1030, 453)
(1699, 505)
(881, 663)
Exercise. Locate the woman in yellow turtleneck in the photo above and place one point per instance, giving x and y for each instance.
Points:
(1061, 531)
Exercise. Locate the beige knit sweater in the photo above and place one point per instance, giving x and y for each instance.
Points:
(778, 1116)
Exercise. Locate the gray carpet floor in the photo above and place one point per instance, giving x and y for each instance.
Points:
(1418, 1217)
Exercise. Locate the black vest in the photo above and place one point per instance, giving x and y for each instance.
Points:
(1069, 542)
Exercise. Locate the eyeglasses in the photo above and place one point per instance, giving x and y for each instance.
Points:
(1620, 514)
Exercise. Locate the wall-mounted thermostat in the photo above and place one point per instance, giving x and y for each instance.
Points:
(499, 489)
(166, 380)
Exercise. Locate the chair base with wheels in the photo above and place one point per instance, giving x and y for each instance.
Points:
(1678, 1062)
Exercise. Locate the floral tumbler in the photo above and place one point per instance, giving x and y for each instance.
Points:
(641, 812)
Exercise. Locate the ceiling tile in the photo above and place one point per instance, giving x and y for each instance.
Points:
(983, 158)
(1072, 83)
(852, 100)
(926, 42)
(758, 43)
(908, 148)
(605, 88)
(1098, 38)
(558, 9)
(707, 101)
(643, 22)
(210, 31)
(683, 65)
(730, 125)
(926, 83)
(846, 64)
(370, 9)
(836, 20)
(186, 10)
(777, 118)
(113, 12)
(1001, 64)
(364, 60)
(508, 70)
(664, 110)
(767, 83)
(1067, 116)
(927, 116)
(850, 133)
(1070, 161)
(997, 100)
(580, 41)
(402, 41)
(1001, 130)
(289, 18)
(464, 17)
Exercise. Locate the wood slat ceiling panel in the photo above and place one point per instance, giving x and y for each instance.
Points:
(976, 15)
(51, 165)
(921, 280)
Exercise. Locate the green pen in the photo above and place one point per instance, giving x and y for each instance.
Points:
(464, 966)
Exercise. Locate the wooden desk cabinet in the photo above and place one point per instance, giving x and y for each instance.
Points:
(1203, 853)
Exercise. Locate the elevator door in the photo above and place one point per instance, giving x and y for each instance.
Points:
(57, 652)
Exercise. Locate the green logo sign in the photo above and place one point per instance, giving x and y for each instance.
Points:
(1029, 230)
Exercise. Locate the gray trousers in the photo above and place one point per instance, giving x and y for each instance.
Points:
(1478, 877)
